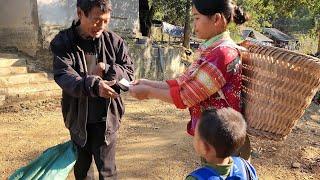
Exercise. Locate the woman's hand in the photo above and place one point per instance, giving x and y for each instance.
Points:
(139, 91)
(153, 84)
(140, 82)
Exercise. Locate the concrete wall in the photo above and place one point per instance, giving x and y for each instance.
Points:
(157, 63)
(55, 15)
(23, 21)
(30, 25)
(19, 25)
(125, 16)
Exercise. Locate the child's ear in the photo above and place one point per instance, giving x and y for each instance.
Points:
(207, 147)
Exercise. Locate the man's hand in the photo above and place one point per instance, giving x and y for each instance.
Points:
(139, 91)
(99, 70)
(105, 89)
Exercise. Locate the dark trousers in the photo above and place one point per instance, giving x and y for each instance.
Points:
(103, 153)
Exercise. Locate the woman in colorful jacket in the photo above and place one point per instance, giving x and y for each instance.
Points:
(214, 79)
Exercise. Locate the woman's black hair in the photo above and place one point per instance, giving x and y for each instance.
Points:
(225, 7)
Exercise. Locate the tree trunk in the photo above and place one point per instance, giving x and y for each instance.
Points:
(318, 40)
(187, 26)
(145, 17)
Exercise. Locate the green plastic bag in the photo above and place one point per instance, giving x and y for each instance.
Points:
(55, 163)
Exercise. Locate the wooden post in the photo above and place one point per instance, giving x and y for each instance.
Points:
(318, 39)
(317, 22)
(162, 42)
(187, 27)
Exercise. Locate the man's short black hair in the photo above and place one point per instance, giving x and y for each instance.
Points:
(224, 129)
(87, 5)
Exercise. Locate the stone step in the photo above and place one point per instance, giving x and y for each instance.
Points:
(2, 100)
(8, 56)
(4, 71)
(29, 78)
(4, 62)
(22, 89)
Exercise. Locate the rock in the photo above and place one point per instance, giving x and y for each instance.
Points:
(317, 144)
(296, 165)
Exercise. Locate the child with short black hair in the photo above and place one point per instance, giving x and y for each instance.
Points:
(218, 135)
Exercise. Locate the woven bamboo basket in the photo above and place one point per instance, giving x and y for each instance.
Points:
(278, 85)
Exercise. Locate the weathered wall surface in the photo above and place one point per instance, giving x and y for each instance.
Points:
(19, 25)
(55, 15)
(30, 25)
(125, 16)
(157, 63)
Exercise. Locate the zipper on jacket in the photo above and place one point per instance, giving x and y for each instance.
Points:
(83, 59)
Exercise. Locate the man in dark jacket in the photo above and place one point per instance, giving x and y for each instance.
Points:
(89, 61)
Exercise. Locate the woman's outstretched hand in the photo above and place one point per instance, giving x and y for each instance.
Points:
(140, 82)
(146, 89)
(139, 91)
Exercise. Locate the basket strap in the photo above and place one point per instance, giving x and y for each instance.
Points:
(222, 96)
(230, 44)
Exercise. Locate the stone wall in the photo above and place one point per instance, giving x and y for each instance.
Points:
(125, 17)
(157, 63)
(19, 25)
(30, 25)
(55, 15)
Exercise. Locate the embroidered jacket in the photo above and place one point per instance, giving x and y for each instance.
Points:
(212, 81)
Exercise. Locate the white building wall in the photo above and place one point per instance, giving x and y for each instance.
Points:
(19, 25)
(55, 15)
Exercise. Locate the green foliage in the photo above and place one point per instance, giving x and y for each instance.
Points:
(292, 16)
(297, 14)
(308, 43)
(261, 13)
(235, 32)
(170, 11)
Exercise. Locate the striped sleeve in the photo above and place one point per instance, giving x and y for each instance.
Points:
(202, 80)
(175, 94)
(203, 83)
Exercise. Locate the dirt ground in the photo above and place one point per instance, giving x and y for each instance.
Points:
(153, 143)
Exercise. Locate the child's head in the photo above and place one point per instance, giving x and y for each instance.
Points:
(211, 17)
(219, 133)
